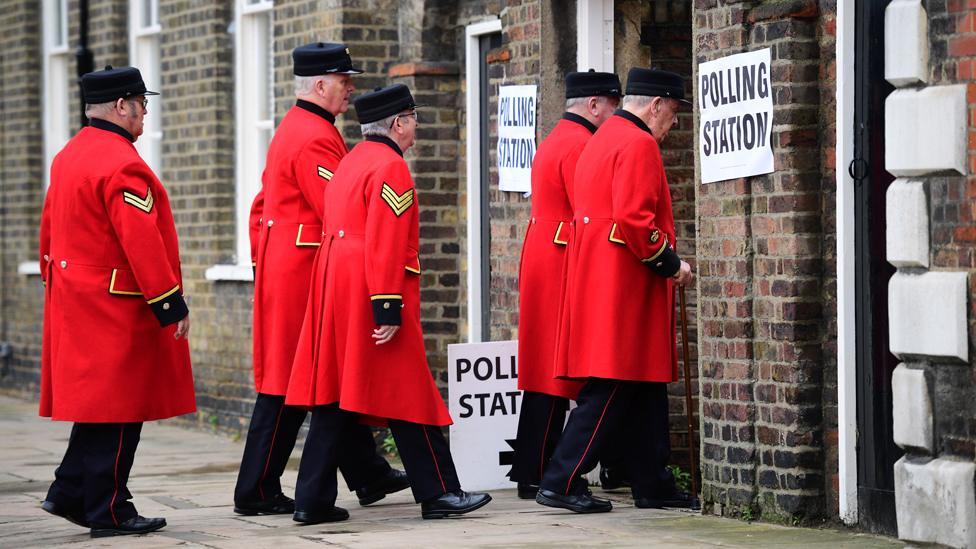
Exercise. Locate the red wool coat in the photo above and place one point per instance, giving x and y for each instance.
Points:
(619, 291)
(113, 290)
(287, 212)
(542, 270)
(366, 274)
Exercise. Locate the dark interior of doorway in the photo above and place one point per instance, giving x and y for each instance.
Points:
(486, 43)
(876, 450)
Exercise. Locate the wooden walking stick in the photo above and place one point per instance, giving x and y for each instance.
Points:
(692, 454)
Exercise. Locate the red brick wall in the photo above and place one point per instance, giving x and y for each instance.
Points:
(761, 292)
(952, 211)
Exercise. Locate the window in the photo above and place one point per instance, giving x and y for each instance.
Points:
(594, 27)
(255, 108)
(58, 83)
(144, 45)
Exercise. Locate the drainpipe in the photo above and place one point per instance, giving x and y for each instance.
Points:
(5, 348)
(86, 61)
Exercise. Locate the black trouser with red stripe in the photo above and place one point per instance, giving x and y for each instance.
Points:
(607, 409)
(91, 480)
(271, 438)
(655, 464)
(540, 427)
(423, 450)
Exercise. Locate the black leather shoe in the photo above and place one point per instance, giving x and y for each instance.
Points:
(135, 525)
(677, 500)
(527, 491)
(73, 516)
(612, 479)
(578, 503)
(457, 502)
(279, 504)
(394, 481)
(335, 514)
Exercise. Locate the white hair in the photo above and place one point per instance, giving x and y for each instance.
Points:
(94, 110)
(637, 101)
(379, 127)
(305, 85)
(576, 102)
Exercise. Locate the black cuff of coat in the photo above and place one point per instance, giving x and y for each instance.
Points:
(667, 264)
(170, 310)
(386, 311)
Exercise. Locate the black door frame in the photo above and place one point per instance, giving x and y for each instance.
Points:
(486, 42)
(876, 450)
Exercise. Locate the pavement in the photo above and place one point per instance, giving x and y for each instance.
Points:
(188, 477)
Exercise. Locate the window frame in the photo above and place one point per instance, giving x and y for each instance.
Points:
(145, 53)
(253, 133)
(56, 57)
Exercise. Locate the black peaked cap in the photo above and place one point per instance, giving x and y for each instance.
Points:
(588, 84)
(656, 83)
(383, 102)
(323, 58)
(111, 84)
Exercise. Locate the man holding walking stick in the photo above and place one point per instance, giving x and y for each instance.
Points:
(620, 300)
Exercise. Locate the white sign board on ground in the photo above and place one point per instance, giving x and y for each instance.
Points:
(484, 401)
(735, 105)
(516, 137)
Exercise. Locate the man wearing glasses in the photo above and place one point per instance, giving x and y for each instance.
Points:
(115, 321)
(286, 231)
(361, 353)
(622, 267)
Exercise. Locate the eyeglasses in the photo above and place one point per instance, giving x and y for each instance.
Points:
(411, 113)
(145, 102)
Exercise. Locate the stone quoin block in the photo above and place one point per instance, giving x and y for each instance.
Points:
(935, 502)
(927, 315)
(925, 130)
(907, 231)
(906, 43)
(912, 412)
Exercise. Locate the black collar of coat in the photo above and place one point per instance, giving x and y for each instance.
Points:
(315, 109)
(633, 118)
(110, 127)
(573, 117)
(386, 141)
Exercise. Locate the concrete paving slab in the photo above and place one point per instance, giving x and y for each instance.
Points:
(188, 477)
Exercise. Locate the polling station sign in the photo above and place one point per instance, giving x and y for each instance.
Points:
(484, 401)
(735, 104)
(516, 137)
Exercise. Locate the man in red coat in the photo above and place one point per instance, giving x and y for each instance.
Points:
(287, 213)
(591, 98)
(621, 270)
(361, 352)
(115, 322)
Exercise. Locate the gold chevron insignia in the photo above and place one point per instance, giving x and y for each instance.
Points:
(399, 203)
(325, 173)
(144, 204)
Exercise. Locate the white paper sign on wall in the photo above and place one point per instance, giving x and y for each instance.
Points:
(735, 105)
(516, 137)
(484, 401)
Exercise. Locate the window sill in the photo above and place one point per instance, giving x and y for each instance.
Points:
(230, 273)
(29, 268)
